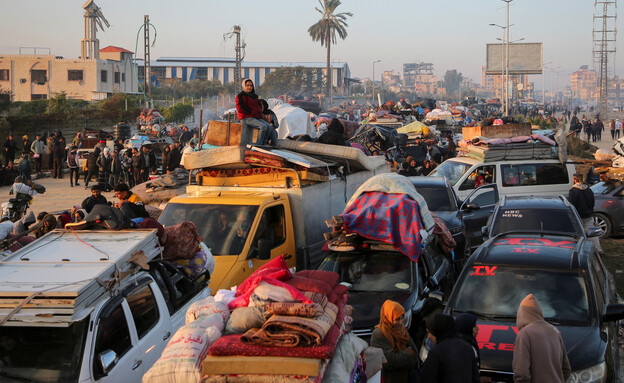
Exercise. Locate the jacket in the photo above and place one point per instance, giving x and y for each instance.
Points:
(72, 159)
(248, 106)
(37, 147)
(452, 360)
(399, 363)
(104, 163)
(582, 198)
(539, 353)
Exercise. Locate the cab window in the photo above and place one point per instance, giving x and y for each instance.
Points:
(482, 175)
(112, 334)
(272, 226)
(144, 309)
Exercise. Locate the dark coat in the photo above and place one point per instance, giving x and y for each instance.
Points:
(452, 360)
(399, 363)
(583, 200)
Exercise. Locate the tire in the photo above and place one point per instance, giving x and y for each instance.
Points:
(602, 221)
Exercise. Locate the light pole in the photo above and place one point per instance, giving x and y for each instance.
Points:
(507, 75)
(373, 92)
(543, 86)
(503, 59)
(507, 62)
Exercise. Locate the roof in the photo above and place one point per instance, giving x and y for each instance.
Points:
(112, 48)
(533, 202)
(540, 251)
(212, 62)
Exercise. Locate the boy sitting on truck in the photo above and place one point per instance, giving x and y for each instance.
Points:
(130, 203)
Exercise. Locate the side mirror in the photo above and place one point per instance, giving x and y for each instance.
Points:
(437, 295)
(264, 249)
(107, 359)
(594, 232)
(471, 206)
(614, 312)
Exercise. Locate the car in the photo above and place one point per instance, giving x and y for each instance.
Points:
(463, 219)
(566, 275)
(609, 207)
(535, 215)
(375, 272)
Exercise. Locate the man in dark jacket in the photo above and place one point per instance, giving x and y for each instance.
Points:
(174, 157)
(451, 360)
(582, 198)
(96, 198)
(334, 134)
(249, 111)
(58, 154)
(10, 147)
(149, 162)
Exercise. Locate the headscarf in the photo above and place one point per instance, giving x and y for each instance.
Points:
(398, 337)
(253, 90)
(465, 322)
(442, 326)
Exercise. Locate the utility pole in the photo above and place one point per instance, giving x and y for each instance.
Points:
(507, 63)
(604, 37)
(146, 57)
(237, 72)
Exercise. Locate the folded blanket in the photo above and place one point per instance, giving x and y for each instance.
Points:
(294, 309)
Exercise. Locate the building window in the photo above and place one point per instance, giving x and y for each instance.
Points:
(74, 75)
(104, 76)
(202, 74)
(123, 77)
(4, 75)
(117, 77)
(34, 97)
(38, 76)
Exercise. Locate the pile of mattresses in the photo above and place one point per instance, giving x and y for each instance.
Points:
(535, 146)
(285, 327)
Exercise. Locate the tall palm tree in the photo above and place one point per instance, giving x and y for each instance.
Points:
(325, 31)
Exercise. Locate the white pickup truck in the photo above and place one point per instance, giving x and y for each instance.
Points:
(81, 307)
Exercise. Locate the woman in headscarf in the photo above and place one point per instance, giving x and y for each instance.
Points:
(249, 110)
(398, 347)
(467, 330)
(334, 134)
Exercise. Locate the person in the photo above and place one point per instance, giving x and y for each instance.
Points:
(392, 337)
(539, 353)
(467, 330)
(77, 141)
(428, 167)
(137, 164)
(195, 138)
(185, 136)
(47, 227)
(176, 156)
(25, 166)
(612, 129)
(451, 147)
(249, 110)
(269, 116)
(434, 153)
(510, 178)
(334, 134)
(148, 162)
(586, 127)
(91, 167)
(188, 149)
(119, 146)
(480, 179)
(410, 168)
(451, 360)
(96, 198)
(130, 203)
(104, 169)
(73, 165)
(618, 128)
(10, 147)
(126, 167)
(166, 158)
(58, 153)
(582, 198)
(38, 148)
(115, 168)
(26, 144)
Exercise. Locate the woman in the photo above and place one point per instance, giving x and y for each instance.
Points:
(398, 347)
(249, 110)
(166, 159)
(467, 330)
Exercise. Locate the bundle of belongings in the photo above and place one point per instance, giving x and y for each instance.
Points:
(286, 327)
(618, 148)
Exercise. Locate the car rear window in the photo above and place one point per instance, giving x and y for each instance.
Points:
(496, 292)
(536, 220)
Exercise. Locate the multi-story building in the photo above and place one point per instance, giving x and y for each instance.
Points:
(584, 84)
(182, 69)
(37, 76)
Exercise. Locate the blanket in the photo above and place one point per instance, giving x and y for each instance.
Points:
(293, 331)
(389, 218)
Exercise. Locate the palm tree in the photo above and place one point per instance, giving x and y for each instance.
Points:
(325, 31)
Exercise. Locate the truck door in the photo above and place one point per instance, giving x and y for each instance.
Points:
(151, 320)
(273, 226)
(113, 334)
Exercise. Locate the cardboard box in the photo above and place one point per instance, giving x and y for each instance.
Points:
(224, 133)
(497, 131)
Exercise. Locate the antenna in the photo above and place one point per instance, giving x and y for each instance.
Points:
(93, 17)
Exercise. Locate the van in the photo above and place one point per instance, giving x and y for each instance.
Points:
(547, 177)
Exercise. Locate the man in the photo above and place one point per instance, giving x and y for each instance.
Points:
(185, 136)
(130, 203)
(10, 147)
(58, 153)
(449, 350)
(190, 148)
(582, 198)
(74, 165)
(96, 199)
(38, 148)
(539, 353)
(148, 162)
(175, 157)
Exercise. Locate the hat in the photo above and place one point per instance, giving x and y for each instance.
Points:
(441, 325)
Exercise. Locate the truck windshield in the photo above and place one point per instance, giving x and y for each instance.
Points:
(224, 228)
(383, 271)
(42, 354)
(452, 170)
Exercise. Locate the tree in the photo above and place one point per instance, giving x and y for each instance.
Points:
(178, 113)
(6, 97)
(299, 81)
(452, 80)
(325, 31)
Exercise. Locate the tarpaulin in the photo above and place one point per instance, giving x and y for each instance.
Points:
(389, 218)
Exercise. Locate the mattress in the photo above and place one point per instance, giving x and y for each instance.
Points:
(277, 365)
(223, 157)
(356, 158)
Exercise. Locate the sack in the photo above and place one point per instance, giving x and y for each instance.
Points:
(36, 155)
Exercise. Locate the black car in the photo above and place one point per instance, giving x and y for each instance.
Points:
(531, 214)
(609, 207)
(461, 218)
(566, 275)
(375, 272)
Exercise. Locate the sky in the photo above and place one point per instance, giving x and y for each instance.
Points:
(451, 34)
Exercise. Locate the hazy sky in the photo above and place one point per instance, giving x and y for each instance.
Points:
(451, 34)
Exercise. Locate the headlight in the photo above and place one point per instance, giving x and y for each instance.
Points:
(456, 230)
(407, 321)
(593, 374)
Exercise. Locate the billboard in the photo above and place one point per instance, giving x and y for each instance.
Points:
(524, 58)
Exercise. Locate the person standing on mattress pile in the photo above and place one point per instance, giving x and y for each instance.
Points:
(249, 110)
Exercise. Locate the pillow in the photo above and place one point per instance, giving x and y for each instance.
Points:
(243, 319)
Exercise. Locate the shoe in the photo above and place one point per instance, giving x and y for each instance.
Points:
(77, 184)
(71, 185)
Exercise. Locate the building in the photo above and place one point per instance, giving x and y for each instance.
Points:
(171, 69)
(584, 84)
(34, 76)
(392, 81)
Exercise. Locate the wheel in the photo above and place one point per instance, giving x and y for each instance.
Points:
(603, 222)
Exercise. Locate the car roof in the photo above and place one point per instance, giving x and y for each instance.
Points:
(539, 251)
(535, 202)
(426, 181)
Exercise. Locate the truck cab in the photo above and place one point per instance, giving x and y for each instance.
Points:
(242, 229)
